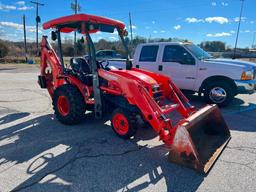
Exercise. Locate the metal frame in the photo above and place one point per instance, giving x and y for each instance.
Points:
(60, 54)
(92, 59)
(96, 84)
(128, 62)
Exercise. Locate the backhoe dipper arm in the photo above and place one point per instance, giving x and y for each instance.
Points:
(48, 56)
(50, 66)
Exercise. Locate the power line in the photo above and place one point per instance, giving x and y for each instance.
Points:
(75, 7)
(158, 9)
(253, 41)
(238, 28)
(38, 20)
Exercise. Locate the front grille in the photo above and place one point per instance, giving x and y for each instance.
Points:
(155, 88)
(157, 95)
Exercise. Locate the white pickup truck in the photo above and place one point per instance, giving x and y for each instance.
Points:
(194, 70)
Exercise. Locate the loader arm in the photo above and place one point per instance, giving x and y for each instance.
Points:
(139, 96)
(172, 92)
(195, 141)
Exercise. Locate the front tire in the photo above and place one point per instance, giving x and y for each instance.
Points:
(123, 123)
(220, 93)
(68, 104)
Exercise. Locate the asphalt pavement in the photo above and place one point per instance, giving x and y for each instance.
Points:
(37, 153)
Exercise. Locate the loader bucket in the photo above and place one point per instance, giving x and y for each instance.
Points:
(200, 139)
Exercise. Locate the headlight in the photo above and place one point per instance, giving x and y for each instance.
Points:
(155, 88)
(247, 75)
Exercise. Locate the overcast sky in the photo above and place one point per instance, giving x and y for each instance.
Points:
(197, 20)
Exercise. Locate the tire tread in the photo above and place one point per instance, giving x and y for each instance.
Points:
(76, 101)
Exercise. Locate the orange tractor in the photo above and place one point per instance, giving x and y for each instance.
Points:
(195, 141)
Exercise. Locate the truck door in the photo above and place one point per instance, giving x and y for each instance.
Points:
(147, 58)
(180, 65)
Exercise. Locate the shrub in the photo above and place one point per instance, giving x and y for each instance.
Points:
(3, 49)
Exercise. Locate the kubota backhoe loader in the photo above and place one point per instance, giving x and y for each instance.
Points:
(195, 141)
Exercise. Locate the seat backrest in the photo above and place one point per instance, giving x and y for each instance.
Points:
(80, 65)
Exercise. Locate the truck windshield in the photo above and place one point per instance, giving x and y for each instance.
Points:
(198, 52)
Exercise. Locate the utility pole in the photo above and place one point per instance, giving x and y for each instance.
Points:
(238, 28)
(38, 20)
(25, 38)
(130, 20)
(75, 7)
(253, 41)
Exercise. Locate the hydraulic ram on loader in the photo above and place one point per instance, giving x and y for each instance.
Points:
(195, 141)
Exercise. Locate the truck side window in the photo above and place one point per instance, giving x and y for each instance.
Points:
(100, 54)
(109, 54)
(176, 53)
(149, 53)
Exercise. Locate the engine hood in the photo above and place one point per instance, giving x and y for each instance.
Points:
(232, 62)
(136, 76)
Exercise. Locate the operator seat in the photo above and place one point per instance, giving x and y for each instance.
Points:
(82, 70)
(112, 68)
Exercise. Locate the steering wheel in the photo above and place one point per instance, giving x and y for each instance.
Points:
(101, 63)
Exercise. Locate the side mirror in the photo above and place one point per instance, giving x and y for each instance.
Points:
(191, 61)
(187, 59)
(125, 33)
(82, 40)
(54, 35)
(128, 64)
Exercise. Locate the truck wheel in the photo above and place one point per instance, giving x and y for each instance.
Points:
(68, 105)
(220, 93)
(123, 123)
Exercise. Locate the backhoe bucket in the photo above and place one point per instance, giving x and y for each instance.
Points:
(200, 139)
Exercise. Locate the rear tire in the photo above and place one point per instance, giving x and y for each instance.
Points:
(123, 123)
(68, 104)
(220, 93)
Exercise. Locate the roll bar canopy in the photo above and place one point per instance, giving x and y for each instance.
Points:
(72, 23)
